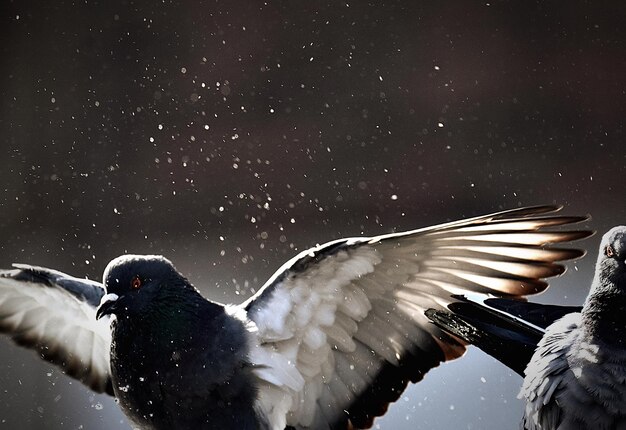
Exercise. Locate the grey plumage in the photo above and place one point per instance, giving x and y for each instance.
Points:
(577, 377)
(178, 361)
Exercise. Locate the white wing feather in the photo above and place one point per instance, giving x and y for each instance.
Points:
(335, 316)
(61, 327)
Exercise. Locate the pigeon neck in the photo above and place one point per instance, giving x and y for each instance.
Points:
(604, 314)
(183, 304)
(171, 312)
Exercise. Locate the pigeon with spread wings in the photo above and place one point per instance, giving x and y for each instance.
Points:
(329, 342)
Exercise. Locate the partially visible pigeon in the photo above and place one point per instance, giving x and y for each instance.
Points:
(329, 341)
(576, 377)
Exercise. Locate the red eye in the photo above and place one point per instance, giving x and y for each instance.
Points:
(608, 251)
(135, 283)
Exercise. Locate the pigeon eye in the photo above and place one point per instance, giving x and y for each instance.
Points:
(135, 284)
(609, 251)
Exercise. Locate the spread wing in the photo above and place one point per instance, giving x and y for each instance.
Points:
(54, 314)
(341, 327)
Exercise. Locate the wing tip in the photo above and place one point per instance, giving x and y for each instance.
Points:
(529, 211)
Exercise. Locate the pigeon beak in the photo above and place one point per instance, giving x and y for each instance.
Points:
(107, 306)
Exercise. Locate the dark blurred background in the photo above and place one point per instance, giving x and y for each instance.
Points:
(227, 135)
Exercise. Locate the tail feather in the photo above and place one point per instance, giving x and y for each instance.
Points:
(508, 330)
(535, 313)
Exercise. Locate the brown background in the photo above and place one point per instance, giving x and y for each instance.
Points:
(228, 135)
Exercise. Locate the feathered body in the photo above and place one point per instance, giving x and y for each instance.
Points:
(577, 377)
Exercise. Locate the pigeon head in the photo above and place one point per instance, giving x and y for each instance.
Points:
(134, 282)
(611, 265)
(604, 311)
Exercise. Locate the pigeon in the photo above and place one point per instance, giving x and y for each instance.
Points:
(328, 342)
(572, 358)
